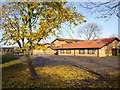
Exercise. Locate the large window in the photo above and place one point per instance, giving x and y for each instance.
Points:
(91, 51)
(81, 51)
(68, 51)
(62, 51)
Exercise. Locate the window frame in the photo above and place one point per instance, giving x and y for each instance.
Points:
(83, 51)
(91, 51)
(62, 51)
(68, 51)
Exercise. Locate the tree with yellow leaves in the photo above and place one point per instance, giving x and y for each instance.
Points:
(27, 23)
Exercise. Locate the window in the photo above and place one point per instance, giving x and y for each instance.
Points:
(62, 51)
(91, 51)
(7, 50)
(81, 51)
(68, 51)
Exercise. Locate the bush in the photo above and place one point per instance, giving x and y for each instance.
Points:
(8, 57)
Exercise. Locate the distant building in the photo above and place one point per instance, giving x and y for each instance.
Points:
(50, 47)
(99, 48)
(45, 49)
(7, 50)
(60, 41)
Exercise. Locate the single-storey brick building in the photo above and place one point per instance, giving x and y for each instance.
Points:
(98, 47)
(50, 47)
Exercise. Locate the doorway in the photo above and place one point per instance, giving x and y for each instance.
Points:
(114, 52)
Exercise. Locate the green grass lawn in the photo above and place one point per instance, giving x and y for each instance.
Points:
(114, 56)
(15, 75)
(8, 57)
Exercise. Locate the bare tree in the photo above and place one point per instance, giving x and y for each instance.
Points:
(106, 9)
(90, 31)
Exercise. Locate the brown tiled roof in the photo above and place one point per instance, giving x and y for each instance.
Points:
(43, 44)
(52, 47)
(67, 40)
(96, 43)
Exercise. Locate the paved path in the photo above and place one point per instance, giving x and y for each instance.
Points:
(94, 65)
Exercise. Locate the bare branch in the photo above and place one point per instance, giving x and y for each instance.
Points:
(90, 31)
(105, 9)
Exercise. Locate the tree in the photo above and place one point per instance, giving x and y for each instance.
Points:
(90, 31)
(27, 23)
(106, 9)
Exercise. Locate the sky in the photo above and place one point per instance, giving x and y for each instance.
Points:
(108, 27)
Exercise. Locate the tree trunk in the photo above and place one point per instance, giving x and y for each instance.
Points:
(31, 68)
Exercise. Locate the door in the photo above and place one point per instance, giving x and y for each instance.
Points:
(56, 53)
(114, 52)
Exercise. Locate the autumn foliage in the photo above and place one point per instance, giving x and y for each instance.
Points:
(27, 23)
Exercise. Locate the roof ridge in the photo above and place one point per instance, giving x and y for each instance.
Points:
(85, 44)
(101, 38)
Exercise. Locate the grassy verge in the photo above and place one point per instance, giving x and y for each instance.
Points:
(7, 58)
(114, 56)
(16, 75)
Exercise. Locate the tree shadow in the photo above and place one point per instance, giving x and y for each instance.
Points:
(42, 61)
(13, 67)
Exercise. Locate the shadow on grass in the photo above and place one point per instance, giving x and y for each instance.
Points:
(15, 76)
(41, 61)
(13, 67)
